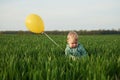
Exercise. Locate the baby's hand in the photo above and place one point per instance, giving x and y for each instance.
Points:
(73, 57)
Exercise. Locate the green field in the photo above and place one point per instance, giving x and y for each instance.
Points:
(35, 57)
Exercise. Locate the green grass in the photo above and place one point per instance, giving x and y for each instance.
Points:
(35, 57)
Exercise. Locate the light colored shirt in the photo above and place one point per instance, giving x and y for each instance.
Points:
(77, 52)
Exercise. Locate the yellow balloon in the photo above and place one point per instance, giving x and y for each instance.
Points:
(34, 23)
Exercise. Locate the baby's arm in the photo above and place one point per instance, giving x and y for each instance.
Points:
(82, 50)
(67, 52)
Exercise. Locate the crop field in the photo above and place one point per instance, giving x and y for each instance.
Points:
(35, 57)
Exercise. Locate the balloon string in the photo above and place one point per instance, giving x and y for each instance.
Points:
(52, 40)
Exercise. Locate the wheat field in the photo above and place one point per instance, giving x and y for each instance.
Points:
(35, 57)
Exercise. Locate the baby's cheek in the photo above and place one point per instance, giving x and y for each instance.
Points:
(76, 44)
(71, 45)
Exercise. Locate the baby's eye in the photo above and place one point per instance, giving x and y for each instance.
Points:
(74, 43)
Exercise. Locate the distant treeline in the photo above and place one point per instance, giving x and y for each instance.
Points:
(82, 32)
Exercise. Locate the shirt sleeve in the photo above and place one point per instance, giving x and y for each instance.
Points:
(82, 50)
(67, 51)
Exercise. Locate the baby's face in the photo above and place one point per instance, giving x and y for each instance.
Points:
(72, 42)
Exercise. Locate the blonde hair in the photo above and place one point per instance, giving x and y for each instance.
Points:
(73, 35)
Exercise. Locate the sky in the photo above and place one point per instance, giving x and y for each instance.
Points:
(61, 14)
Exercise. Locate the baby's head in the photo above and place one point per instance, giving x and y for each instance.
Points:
(72, 39)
